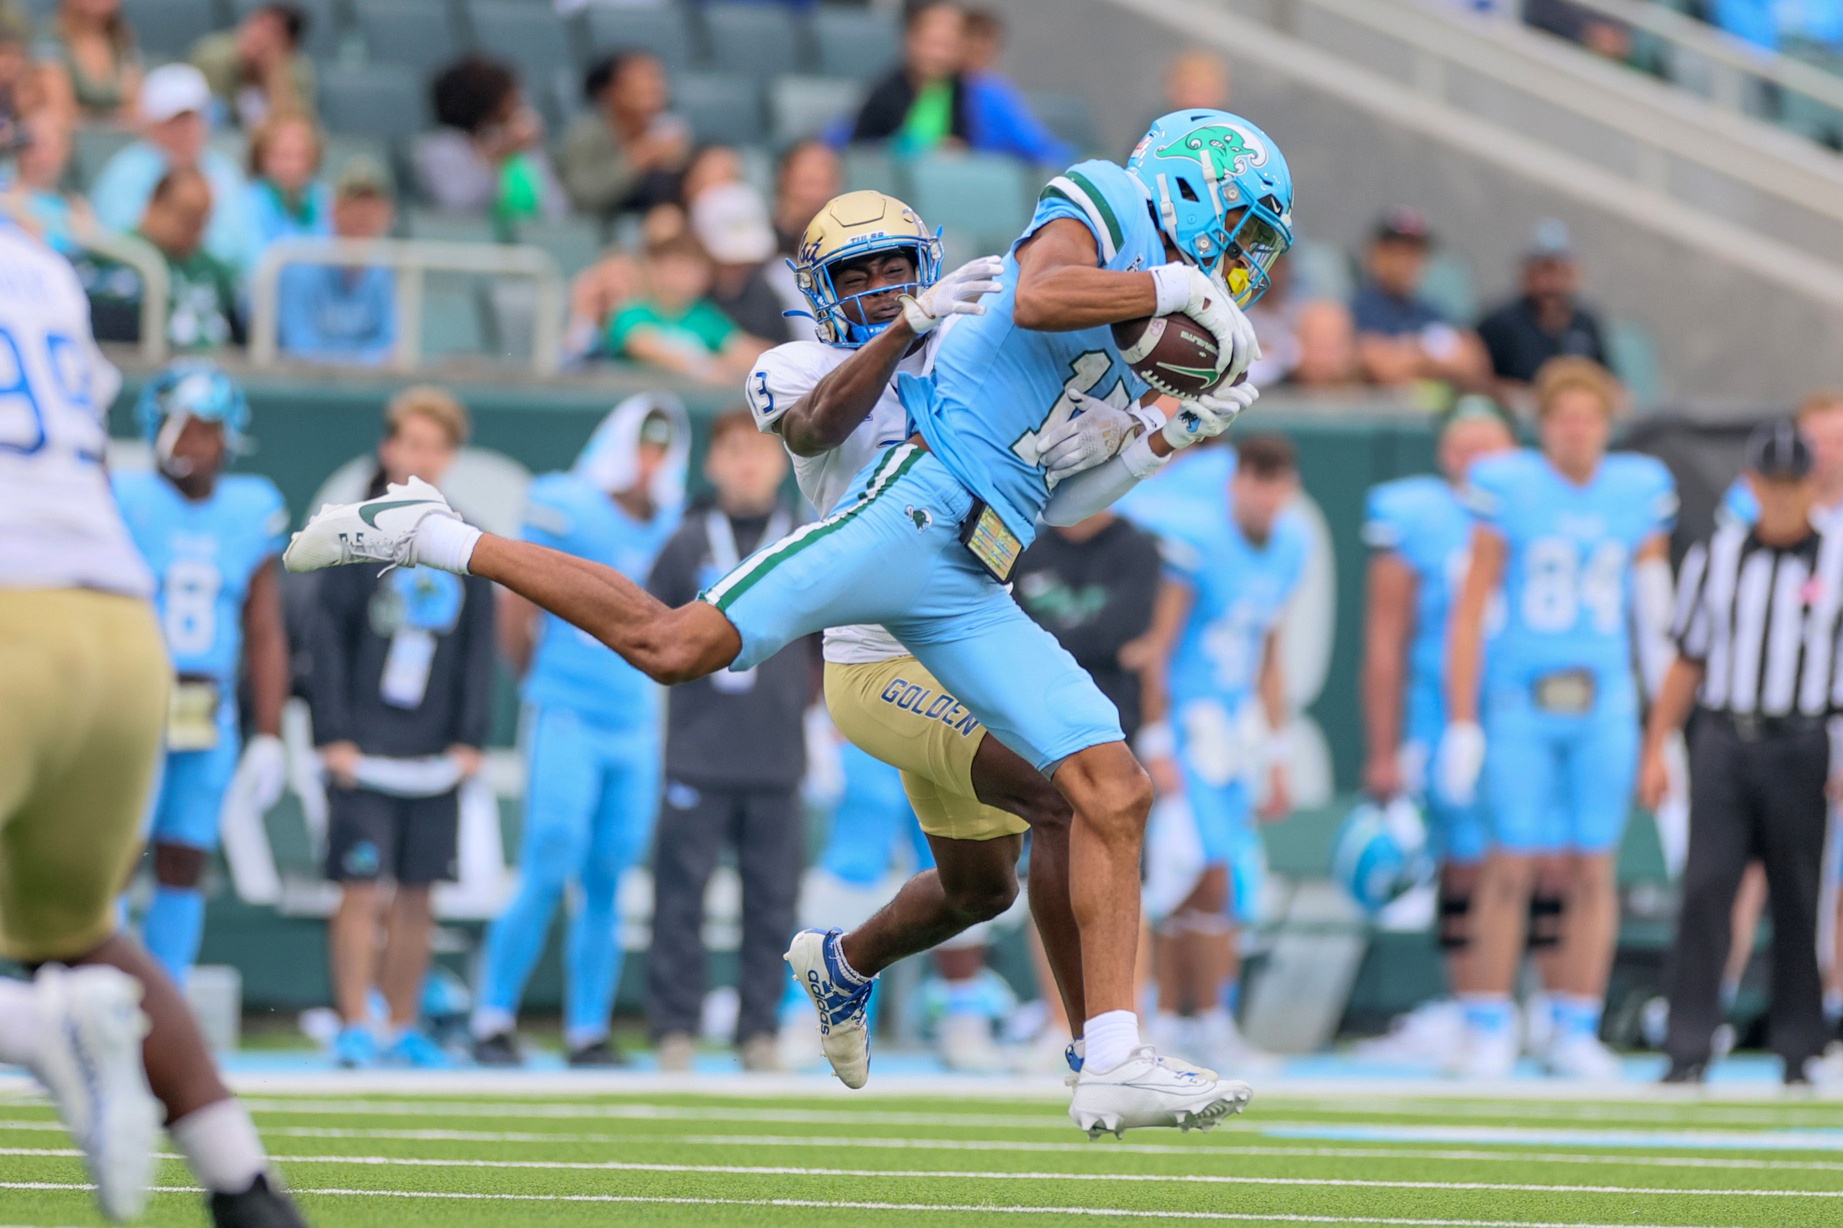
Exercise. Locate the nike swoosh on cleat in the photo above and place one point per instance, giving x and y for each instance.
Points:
(369, 512)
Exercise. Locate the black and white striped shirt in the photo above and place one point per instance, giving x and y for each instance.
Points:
(1764, 621)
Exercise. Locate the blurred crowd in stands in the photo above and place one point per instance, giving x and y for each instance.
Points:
(672, 220)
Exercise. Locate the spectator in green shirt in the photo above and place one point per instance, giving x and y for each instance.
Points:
(202, 299)
(675, 326)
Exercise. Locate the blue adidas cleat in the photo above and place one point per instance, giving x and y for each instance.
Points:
(841, 997)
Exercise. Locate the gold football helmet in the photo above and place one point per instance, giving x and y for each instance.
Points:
(850, 227)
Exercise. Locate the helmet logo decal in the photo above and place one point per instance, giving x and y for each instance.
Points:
(1224, 151)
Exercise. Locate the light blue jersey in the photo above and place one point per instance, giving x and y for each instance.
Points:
(1190, 486)
(1241, 592)
(1568, 576)
(203, 556)
(572, 669)
(1423, 522)
(997, 387)
(1560, 704)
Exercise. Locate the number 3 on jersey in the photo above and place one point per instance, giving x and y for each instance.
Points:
(1085, 373)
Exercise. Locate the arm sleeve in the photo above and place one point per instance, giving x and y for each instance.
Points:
(1089, 492)
(474, 718)
(674, 576)
(329, 691)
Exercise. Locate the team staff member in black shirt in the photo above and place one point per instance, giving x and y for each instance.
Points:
(1758, 615)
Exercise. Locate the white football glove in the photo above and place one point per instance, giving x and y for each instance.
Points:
(1209, 415)
(1088, 438)
(1458, 762)
(1186, 288)
(956, 294)
(265, 763)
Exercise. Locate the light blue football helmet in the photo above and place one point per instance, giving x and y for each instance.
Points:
(1380, 853)
(1219, 187)
(193, 388)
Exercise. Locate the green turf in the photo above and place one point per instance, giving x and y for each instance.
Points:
(704, 1160)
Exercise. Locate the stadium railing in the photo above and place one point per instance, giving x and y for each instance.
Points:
(137, 254)
(411, 260)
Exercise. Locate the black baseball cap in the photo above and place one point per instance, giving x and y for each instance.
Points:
(1777, 450)
(1404, 224)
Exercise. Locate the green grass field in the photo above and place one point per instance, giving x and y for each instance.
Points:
(401, 1161)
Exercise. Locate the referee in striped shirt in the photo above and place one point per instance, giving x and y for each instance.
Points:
(1757, 625)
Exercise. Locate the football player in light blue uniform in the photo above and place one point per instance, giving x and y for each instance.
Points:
(1420, 534)
(1034, 390)
(1215, 650)
(1577, 540)
(592, 790)
(211, 539)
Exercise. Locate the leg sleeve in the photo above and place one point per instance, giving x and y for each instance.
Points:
(692, 824)
(1720, 842)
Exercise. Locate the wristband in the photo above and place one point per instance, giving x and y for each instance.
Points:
(1155, 741)
(445, 542)
(1171, 282)
(1151, 417)
(1140, 461)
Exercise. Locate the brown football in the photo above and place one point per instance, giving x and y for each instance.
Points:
(1173, 353)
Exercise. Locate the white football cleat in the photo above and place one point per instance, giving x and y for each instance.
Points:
(380, 530)
(89, 1059)
(1427, 1035)
(1576, 1055)
(841, 998)
(1149, 1090)
(1225, 1047)
(1487, 1055)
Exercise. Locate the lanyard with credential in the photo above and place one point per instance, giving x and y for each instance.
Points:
(724, 557)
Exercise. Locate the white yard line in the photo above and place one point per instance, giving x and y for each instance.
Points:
(840, 1205)
(785, 1170)
(1199, 1151)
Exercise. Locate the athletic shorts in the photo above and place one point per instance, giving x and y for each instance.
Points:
(189, 795)
(1230, 836)
(1555, 783)
(898, 712)
(1460, 835)
(83, 692)
(413, 840)
(891, 554)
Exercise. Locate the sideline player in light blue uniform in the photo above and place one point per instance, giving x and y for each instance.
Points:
(211, 539)
(592, 790)
(933, 527)
(1214, 645)
(1420, 534)
(1576, 538)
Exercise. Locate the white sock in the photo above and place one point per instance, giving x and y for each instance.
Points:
(19, 1023)
(1110, 1039)
(491, 1021)
(447, 543)
(220, 1145)
(1166, 1024)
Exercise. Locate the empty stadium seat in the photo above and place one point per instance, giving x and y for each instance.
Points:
(167, 28)
(573, 242)
(870, 167)
(444, 227)
(1070, 117)
(799, 107)
(760, 40)
(531, 37)
(415, 34)
(981, 199)
(855, 43)
(452, 319)
(1448, 287)
(1631, 352)
(724, 108)
(665, 31)
(377, 101)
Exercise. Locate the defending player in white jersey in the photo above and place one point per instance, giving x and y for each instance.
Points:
(870, 270)
(84, 681)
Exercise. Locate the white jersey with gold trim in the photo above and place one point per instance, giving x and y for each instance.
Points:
(782, 376)
(59, 524)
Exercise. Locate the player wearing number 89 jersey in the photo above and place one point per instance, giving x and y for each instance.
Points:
(210, 539)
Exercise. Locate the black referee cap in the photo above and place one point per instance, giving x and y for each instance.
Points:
(1777, 450)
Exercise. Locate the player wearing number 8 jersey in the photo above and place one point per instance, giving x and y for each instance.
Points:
(1575, 537)
(211, 539)
(921, 545)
